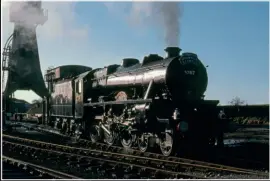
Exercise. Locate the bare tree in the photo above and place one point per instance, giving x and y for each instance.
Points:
(237, 101)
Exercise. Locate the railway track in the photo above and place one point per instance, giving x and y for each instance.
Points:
(86, 166)
(84, 143)
(172, 167)
(18, 169)
(221, 159)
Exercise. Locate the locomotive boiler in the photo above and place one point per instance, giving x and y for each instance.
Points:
(159, 101)
(184, 77)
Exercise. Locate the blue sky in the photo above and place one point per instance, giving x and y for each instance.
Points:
(231, 37)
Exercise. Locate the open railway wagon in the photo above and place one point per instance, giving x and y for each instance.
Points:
(157, 103)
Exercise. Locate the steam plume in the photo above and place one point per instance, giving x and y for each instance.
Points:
(61, 21)
(164, 14)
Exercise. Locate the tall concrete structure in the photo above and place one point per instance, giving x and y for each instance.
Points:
(20, 61)
(21, 65)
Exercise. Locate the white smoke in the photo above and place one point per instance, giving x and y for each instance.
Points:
(61, 21)
(166, 15)
(163, 15)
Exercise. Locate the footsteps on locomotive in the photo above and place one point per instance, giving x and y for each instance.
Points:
(157, 103)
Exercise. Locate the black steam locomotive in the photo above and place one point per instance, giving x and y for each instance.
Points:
(157, 102)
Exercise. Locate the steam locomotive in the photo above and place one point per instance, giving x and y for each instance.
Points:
(159, 102)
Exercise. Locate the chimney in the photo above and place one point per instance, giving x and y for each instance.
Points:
(172, 52)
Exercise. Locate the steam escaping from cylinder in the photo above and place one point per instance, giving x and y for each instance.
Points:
(164, 14)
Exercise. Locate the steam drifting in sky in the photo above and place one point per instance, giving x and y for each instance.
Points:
(61, 20)
(164, 14)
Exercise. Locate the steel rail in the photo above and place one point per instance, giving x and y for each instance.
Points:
(101, 146)
(112, 162)
(41, 169)
(135, 151)
(174, 165)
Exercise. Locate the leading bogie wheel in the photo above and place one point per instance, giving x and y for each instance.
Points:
(166, 144)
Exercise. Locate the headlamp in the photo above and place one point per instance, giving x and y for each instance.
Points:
(183, 126)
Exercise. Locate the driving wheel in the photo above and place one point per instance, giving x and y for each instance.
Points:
(143, 143)
(109, 138)
(94, 133)
(126, 140)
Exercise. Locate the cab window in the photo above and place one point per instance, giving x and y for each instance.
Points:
(79, 86)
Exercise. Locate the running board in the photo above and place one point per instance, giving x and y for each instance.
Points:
(140, 101)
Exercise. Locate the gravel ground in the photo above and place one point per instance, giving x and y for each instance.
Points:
(32, 134)
(250, 134)
(245, 143)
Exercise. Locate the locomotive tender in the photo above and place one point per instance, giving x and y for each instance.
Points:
(157, 102)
